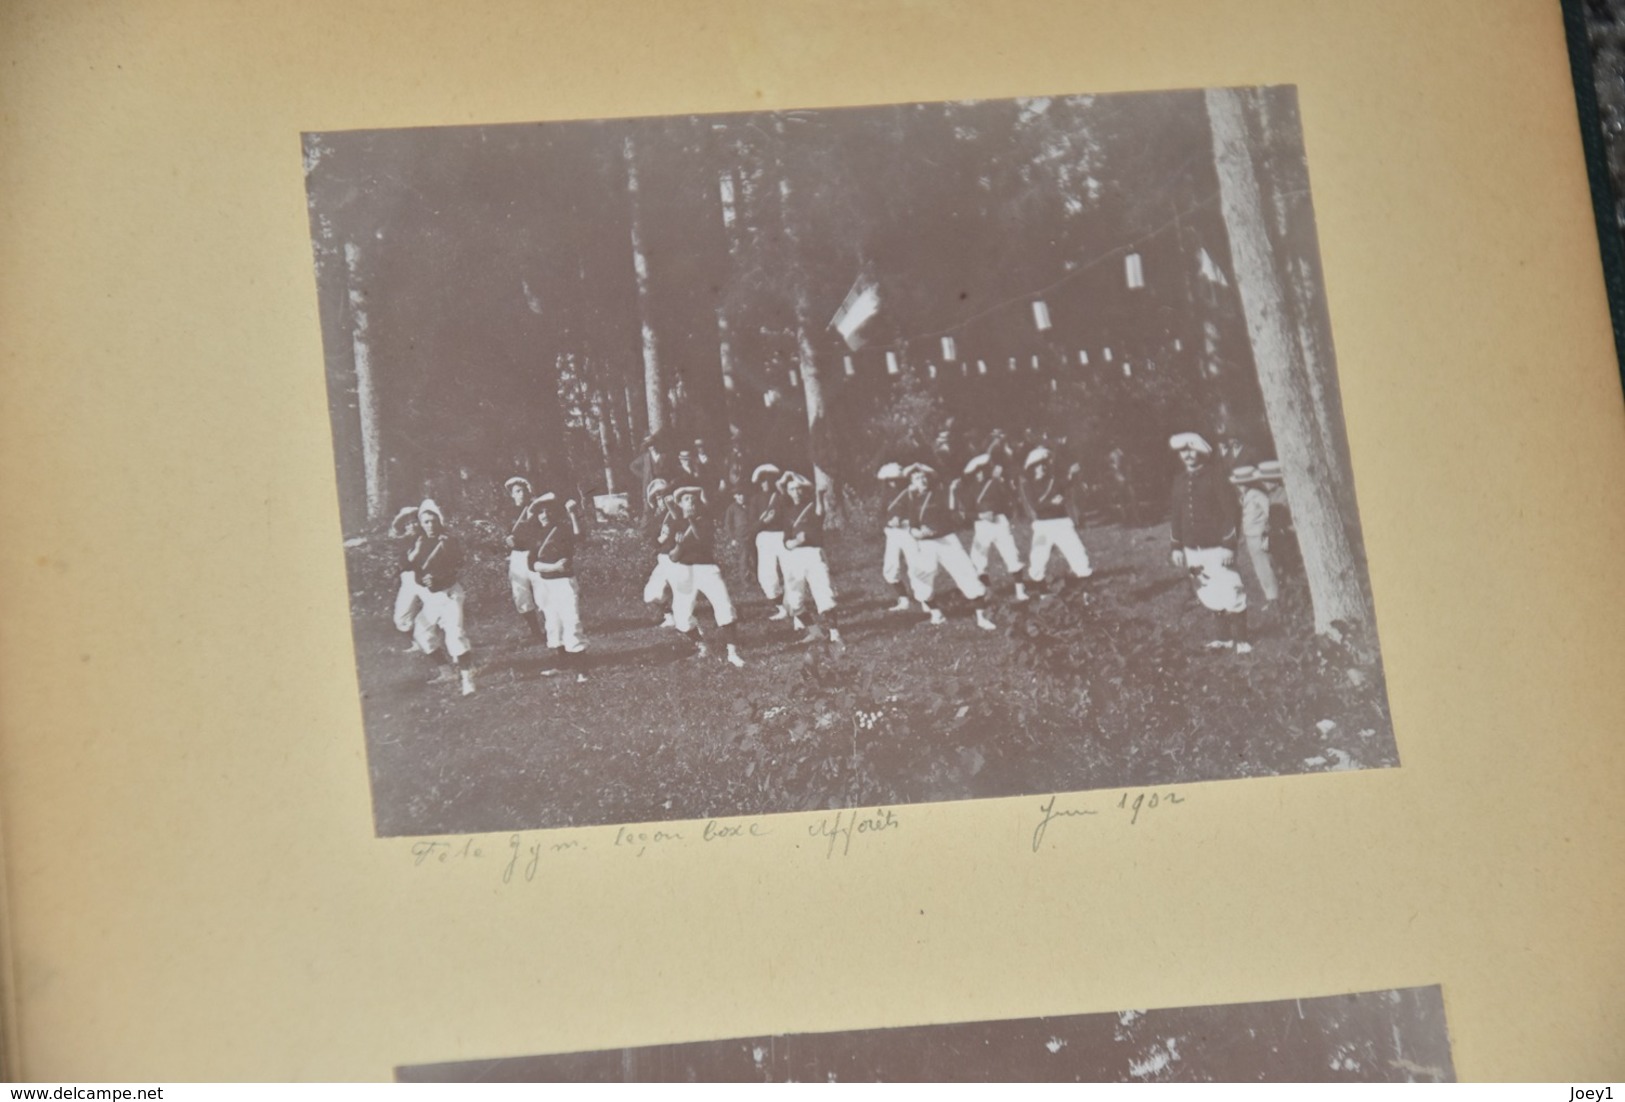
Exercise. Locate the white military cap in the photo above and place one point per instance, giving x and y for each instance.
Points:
(1190, 440)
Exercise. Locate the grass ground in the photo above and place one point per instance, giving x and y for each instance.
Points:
(1100, 688)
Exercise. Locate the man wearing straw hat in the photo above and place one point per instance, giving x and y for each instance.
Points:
(522, 535)
(1053, 526)
(436, 559)
(805, 568)
(932, 523)
(1257, 486)
(1206, 516)
(553, 577)
(694, 571)
(898, 563)
(987, 496)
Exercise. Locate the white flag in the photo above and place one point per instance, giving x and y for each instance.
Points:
(862, 303)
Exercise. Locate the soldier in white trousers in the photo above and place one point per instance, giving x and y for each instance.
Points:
(1204, 521)
(553, 580)
(659, 524)
(988, 497)
(897, 565)
(767, 507)
(436, 559)
(1053, 527)
(521, 537)
(806, 570)
(932, 524)
(408, 596)
(695, 572)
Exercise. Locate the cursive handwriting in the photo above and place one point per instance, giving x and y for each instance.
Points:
(847, 824)
(442, 851)
(1051, 813)
(643, 839)
(715, 831)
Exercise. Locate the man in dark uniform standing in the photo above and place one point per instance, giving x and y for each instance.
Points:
(1205, 522)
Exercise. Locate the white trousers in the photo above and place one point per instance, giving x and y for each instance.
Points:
(946, 553)
(406, 601)
(559, 600)
(900, 551)
(1058, 534)
(440, 622)
(519, 581)
(994, 535)
(769, 552)
(1258, 549)
(659, 579)
(688, 582)
(805, 569)
(1218, 586)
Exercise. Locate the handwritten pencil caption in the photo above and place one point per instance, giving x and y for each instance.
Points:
(1130, 808)
(520, 856)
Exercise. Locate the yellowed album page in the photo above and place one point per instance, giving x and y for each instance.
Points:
(198, 887)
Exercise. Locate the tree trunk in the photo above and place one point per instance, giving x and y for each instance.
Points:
(654, 390)
(812, 384)
(730, 218)
(1306, 457)
(1295, 228)
(366, 394)
(633, 420)
(596, 405)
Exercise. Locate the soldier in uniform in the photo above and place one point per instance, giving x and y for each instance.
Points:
(767, 510)
(806, 571)
(659, 519)
(695, 572)
(405, 529)
(436, 560)
(932, 524)
(1053, 526)
(1206, 517)
(898, 564)
(553, 578)
(521, 537)
(988, 498)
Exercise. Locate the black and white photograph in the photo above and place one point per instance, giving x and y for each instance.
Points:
(729, 465)
(1397, 1036)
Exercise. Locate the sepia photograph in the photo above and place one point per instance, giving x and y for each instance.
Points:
(724, 465)
(1371, 1037)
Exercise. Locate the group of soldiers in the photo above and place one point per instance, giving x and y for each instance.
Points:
(773, 521)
